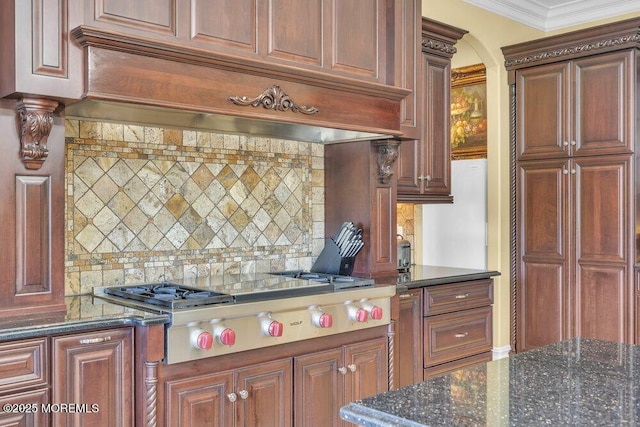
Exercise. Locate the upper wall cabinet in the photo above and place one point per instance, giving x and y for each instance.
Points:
(424, 163)
(346, 37)
(330, 64)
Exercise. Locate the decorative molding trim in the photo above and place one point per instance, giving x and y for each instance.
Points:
(274, 98)
(438, 46)
(391, 335)
(513, 274)
(36, 121)
(151, 384)
(573, 50)
(387, 155)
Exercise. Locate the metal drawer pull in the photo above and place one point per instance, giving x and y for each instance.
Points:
(232, 397)
(352, 367)
(343, 370)
(462, 335)
(95, 340)
(404, 296)
(462, 296)
(243, 394)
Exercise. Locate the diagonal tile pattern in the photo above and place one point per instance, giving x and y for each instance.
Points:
(145, 204)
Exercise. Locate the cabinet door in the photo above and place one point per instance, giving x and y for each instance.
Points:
(90, 369)
(408, 354)
(436, 175)
(33, 400)
(200, 400)
(604, 240)
(319, 389)
(542, 105)
(264, 393)
(543, 279)
(367, 369)
(604, 104)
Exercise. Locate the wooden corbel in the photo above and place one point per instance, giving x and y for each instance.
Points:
(387, 155)
(36, 121)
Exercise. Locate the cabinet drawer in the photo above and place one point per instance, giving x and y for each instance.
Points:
(457, 296)
(23, 365)
(26, 409)
(456, 335)
(448, 367)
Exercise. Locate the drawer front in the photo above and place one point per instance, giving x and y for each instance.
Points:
(25, 409)
(453, 336)
(449, 367)
(23, 365)
(457, 296)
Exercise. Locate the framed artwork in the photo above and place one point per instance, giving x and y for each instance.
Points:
(469, 112)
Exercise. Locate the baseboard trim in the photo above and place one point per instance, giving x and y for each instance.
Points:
(501, 352)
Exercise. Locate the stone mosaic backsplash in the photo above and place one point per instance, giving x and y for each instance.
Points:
(149, 203)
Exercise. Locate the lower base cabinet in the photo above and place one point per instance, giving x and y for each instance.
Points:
(327, 380)
(304, 390)
(94, 372)
(83, 379)
(257, 395)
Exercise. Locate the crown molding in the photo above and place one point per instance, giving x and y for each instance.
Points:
(548, 15)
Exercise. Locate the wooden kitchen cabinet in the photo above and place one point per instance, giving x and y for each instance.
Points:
(458, 328)
(407, 359)
(339, 37)
(576, 274)
(251, 396)
(94, 368)
(24, 382)
(424, 165)
(327, 380)
(575, 180)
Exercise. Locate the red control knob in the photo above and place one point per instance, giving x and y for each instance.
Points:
(204, 341)
(360, 315)
(323, 320)
(275, 328)
(227, 337)
(376, 312)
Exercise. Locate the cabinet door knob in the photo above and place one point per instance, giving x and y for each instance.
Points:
(462, 335)
(243, 394)
(342, 370)
(232, 397)
(352, 367)
(565, 143)
(573, 143)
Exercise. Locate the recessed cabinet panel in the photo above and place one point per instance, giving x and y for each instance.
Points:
(542, 299)
(49, 52)
(542, 106)
(204, 397)
(543, 208)
(602, 310)
(356, 28)
(602, 203)
(24, 364)
(225, 23)
(296, 30)
(603, 99)
(33, 234)
(151, 15)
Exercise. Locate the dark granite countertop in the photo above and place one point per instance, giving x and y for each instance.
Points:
(576, 382)
(429, 275)
(84, 312)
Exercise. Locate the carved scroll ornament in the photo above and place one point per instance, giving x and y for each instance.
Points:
(274, 98)
(36, 121)
(387, 155)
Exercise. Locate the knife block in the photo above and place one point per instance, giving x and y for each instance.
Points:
(330, 261)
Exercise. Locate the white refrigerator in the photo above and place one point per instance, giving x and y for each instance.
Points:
(455, 235)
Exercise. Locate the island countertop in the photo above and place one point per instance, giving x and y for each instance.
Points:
(575, 382)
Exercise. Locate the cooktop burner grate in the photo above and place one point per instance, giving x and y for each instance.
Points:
(169, 294)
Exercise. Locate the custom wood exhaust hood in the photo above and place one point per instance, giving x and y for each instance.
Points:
(135, 79)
